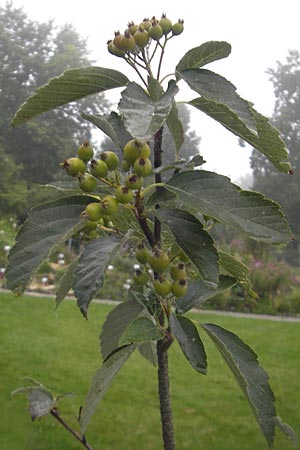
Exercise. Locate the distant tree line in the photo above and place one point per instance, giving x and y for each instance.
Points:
(284, 189)
(30, 54)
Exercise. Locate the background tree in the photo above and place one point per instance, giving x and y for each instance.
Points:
(31, 53)
(286, 117)
(11, 199)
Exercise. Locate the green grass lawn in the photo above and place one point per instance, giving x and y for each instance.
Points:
(61, 350)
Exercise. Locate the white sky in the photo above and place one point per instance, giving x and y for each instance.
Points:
(259, 31)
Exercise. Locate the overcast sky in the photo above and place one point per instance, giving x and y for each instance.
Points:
(259, 31)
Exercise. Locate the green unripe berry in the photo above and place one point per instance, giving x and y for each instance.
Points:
(87, 182)
(141, 277)
(142, 167)
(94, 211)
(159, 261)
(162, 286)
(118, 39)
(155, 31)
(131, 151)
(178, 271)
(135, 182)
(180, 287)
(111, 159)
(109, 205)
(132, 28)
(90, 225)
(177, 28)
(114, 50)
(74, 166)
(135, 149)
(98, 168)
(126, 165)
(128, 42)
(146, 24)
(141, 37)
(142, 254)
(85, 151)
(123, 194)
(165, 24)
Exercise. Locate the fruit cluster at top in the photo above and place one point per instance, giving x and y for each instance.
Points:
(138, 36)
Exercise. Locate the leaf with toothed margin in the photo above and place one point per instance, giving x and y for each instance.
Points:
(251, 377)
(215, 196)
(196, 242)
(199, 292)
(189, 341)
(267, 140)
(65, 283)
(112, 125)
(72, 85)
(101, 382)
(116, 322)
(216, 88)
(90, 270)
(47, 226)
(142, 115)
(204, 54)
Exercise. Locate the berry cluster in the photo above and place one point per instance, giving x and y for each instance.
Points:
(170, 278)
(136, 37)
(125, 179)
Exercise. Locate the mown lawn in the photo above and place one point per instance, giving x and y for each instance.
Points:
(61, 350)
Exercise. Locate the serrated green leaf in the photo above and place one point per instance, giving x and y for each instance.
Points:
(251, 377)
(267, 140)
(112, 125)
(175, 127)
(47, 225)
(65, 283)
(160, 195)
(141, 330)
(238, 270)
(204, 54)
(216, 88)
(189, 340)
(196, 243)
(215, 196)
(199, 292)
(148, 351)
(116, 323)
(90, 270)
(142, 115)
(101, 382)
(72, 85)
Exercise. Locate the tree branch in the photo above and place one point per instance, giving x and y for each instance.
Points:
(142, 219)
(81, 439)
(157, 163)
(164, 393)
